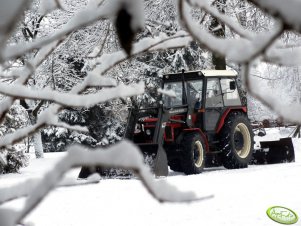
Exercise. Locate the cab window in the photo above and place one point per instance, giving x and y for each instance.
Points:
(195, 91)
(213, 93)
(173, 101)
(231, 97)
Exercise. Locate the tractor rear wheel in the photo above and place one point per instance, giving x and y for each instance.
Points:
(237, 141)
(193, 159)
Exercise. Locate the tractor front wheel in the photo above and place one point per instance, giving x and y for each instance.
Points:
(237, 141)
(175, 165)
(193, 159)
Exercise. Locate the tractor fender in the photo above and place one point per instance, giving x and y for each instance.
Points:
(225, 114)
(198, 130)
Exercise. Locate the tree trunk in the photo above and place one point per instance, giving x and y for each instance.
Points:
(242, 18)
(218, 29)
(38, 146)
(37, 138)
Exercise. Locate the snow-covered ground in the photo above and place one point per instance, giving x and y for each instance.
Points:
(241, 197)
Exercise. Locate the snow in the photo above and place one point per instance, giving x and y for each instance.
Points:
(241, 197)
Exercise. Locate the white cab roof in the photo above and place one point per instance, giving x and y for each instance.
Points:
(209, 73)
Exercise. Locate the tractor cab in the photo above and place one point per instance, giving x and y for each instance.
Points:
(205, 94)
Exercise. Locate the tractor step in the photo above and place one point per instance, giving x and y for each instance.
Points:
(272, 152)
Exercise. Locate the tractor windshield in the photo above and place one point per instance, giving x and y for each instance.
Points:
(173, 101)
(194, 93)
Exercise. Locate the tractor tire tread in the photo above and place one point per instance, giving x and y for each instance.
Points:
(230, 159)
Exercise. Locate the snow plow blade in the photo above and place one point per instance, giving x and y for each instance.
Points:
(155, 157)
(272, 152)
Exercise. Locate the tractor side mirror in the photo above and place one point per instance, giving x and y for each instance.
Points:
(232, 85)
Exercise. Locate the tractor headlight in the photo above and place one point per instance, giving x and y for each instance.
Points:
(148, 132)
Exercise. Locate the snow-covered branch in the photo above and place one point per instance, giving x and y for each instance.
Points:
(72, 100)
(10, 15)
(232, 24)
(113, 157)
(284, 56)
(287, 11)
(14, 192)
(108, 61)
(25, 72)
(48, 117)
(289, 112)
(82, 18)
(238, 50)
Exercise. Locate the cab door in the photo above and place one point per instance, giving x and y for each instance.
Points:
(213, 103)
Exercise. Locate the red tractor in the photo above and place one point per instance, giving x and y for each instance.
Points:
(205, 123)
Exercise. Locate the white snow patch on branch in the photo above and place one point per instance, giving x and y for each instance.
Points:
(288, 56)
(107, 61)
(82, 18)
(288, 10)
(46, 6)
(94, 80)
(204, 4)
(67, 126)
(67, 99)
(167, 92)
(238, 50)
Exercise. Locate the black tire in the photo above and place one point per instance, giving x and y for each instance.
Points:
(193, 156)
(175, 165)
(237, 141)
